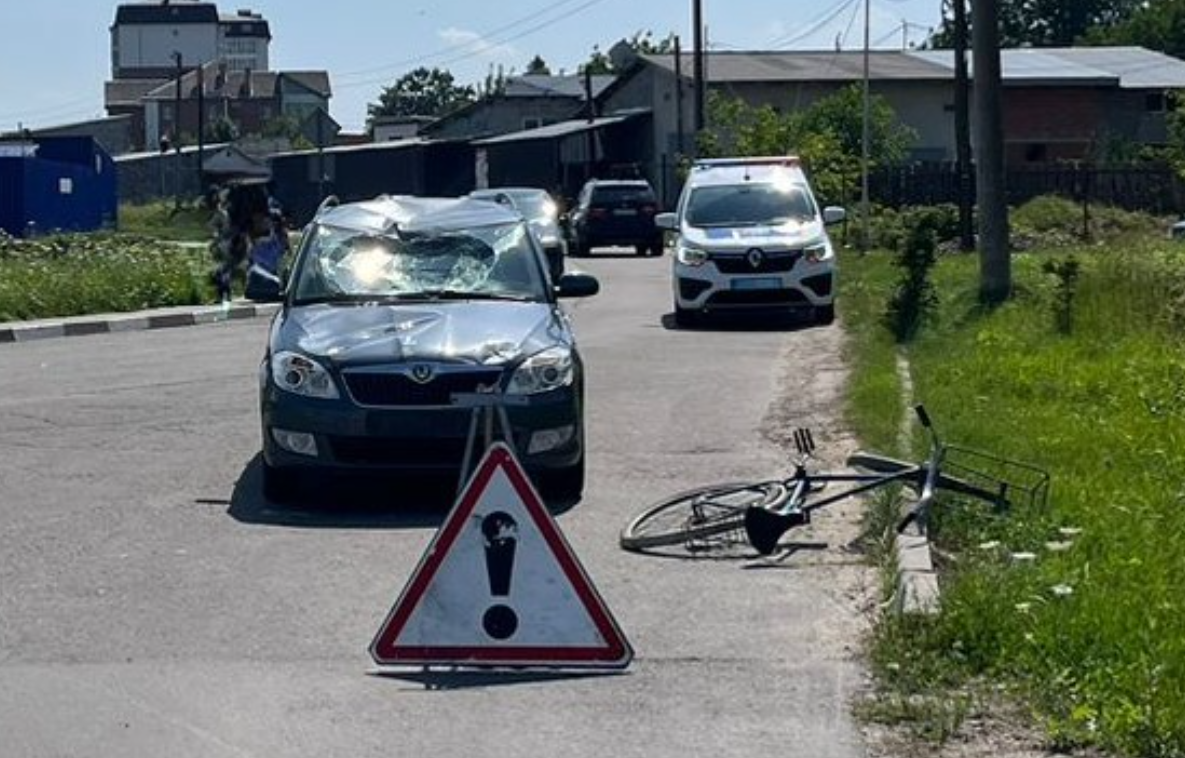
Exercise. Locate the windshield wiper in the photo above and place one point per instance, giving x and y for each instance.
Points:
(469, 295)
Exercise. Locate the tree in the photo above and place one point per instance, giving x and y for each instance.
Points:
(828, 136)
(597, 63)
(641, 43)
(1156, 26)
(538, 67)
(1047, 23)
(422, 92)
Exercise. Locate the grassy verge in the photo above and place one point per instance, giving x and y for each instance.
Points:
(72, 275)
(165, 221)
(1075, 610)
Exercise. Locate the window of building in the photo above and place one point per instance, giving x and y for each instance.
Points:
(1155, 102)
(532, 123)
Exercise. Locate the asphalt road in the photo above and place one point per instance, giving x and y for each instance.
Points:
(152, 604)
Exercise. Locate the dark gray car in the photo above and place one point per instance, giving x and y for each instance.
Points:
(392, 306)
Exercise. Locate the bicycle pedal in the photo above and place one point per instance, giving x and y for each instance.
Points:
(804, 441)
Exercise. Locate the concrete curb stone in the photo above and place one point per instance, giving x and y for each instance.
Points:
(164, 318)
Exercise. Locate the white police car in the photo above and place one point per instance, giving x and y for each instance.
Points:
(751, 238)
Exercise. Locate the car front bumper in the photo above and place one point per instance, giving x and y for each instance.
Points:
(345, 437)
(705, 289)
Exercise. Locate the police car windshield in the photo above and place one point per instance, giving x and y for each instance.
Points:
(748, 205)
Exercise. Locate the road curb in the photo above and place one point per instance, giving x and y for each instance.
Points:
(168, 318)
(916, 590)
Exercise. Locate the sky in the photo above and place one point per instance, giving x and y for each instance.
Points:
(56, 56)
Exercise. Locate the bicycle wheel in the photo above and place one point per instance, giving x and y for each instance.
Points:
(699, 513)
(882, 464)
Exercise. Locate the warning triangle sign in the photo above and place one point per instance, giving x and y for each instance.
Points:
(500, 586)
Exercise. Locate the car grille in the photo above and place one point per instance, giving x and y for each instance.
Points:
(726, 298)
(407, 452)
(399, 390)
(771, 262)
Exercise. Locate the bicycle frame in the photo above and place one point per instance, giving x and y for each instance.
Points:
(765, 527)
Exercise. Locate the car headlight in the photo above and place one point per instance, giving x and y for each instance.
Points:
(689, 255)
(302, 375)
(817, 252)
(549, 370)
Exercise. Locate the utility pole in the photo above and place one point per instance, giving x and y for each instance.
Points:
(866, 137)
(201, 128)
(963, 129)
(177, 125)
(679, 146)
(590, 143)
(697, 21)
(995, 265)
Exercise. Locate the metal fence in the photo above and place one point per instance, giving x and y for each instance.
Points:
(1156, 190)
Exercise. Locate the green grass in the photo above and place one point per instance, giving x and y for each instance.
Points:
(166, 221)
(1091, 632)
(75, 274)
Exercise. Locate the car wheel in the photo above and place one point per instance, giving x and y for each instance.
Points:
(280, 486)
(685, 317)
(564, 485)
(656, 248)
(640, 250)
(824, 314)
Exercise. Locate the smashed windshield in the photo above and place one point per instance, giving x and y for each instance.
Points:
(490, 261)
(749, 205)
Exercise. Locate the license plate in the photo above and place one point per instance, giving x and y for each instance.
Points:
(624, 212)
(757, 283)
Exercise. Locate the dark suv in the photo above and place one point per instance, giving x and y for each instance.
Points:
(615, 212)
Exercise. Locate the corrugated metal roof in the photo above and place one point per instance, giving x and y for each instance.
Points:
(1033, 66)
(804, 66)
(1124, 67)
(555, 86)
(1136, 67)
(551, 131)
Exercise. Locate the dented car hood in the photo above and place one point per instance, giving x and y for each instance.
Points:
(487, 333)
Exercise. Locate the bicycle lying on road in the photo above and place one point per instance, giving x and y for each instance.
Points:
(763, 512)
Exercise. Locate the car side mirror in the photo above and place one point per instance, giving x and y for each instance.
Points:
(833, 214)
(667, 221)
(577, 285)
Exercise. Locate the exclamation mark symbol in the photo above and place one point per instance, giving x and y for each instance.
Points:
(501, 538)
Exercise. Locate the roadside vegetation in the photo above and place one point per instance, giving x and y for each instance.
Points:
(1073, 611)
(187, 222)
(80, 274)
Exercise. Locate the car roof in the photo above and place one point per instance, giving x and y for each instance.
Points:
(413, 213)
(619, 182)
(740, 170)
(512, 191)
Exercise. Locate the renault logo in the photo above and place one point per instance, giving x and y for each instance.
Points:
(755, 257)
(422, 373)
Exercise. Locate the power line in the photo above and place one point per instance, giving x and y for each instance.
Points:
(814, 26)
(71, 106)
(528, 31)
(475, 46)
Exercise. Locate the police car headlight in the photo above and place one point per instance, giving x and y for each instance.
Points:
(549, 370)
(690, 255)
(302, 375)
(817, 252)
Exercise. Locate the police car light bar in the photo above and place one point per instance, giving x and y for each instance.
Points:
(771, 160)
